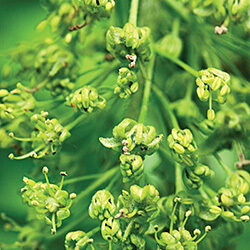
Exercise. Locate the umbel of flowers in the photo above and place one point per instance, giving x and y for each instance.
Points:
(50, 202)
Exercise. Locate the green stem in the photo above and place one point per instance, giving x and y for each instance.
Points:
(179, 8)
(93, 231)
(128, 230)
(54, 223)
(239, 151)
(97, 183)
(38, 87)
(176, 27)
(165, 103)
(166, 154)
(174, 124)
(177, 61)
(133, 12)
(67, 228)
(110, 245)
(82, 178)
(209, 191)
(189, 91)
(224, 166)
(75, 122)
(178, 179)
(147, 88)
(11, 221)
(172, 218)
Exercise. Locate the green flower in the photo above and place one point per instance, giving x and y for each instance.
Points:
(110, 230)
(126, 83)
(131, 167)
(46, 138)
(77, 240)
(50, 201)
(102, 205)
(131, 43)
(213, 84)
(183, 146)
(15, 103)
(130, 137)
(139, 203)
(86, 100)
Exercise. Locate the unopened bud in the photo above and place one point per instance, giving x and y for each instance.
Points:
(208, 229)
(188, 213)
(63, 174)
(215, 209)
(245, 209)
(11, 135)
(35, 203)
(11, 156)
(210, 114)
(45, 170)
(72, 196)
(241, 198)
(197, 232)
(25, 180)
(245, 218)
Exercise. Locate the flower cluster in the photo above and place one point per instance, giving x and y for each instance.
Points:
(46, 138)
(131, 167)
(131, 43)
(46, 63)
(130, 137)
(77, 240)
(86, 100)
(213, 84)
(126, 83)
(66, 16)
(180, 239)
(15, 103)
(134, 141)
(50, 201)
(235, 11)
(183, 146)
(122, 223)
(140, 203)
(231, 201)
(98, 9)
(184, 150)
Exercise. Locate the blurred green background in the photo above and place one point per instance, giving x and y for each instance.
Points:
(18, 19)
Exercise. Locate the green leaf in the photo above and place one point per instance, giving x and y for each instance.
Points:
(206, 215)
(109, 142)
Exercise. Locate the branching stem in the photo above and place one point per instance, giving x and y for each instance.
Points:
(133, 12)
(147, 89)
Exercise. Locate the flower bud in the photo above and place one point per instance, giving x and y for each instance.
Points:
(35, 203)
(72, 196)
(183, 146)
(210, 114)
(45, 170)
(208, 229)
(110, 229)
(131, 167)
(167, 238)
(215, 210)
(227, 214)
(241, 198)
(127, 83)
(245, 209)
(244, 218)
(197, 232)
